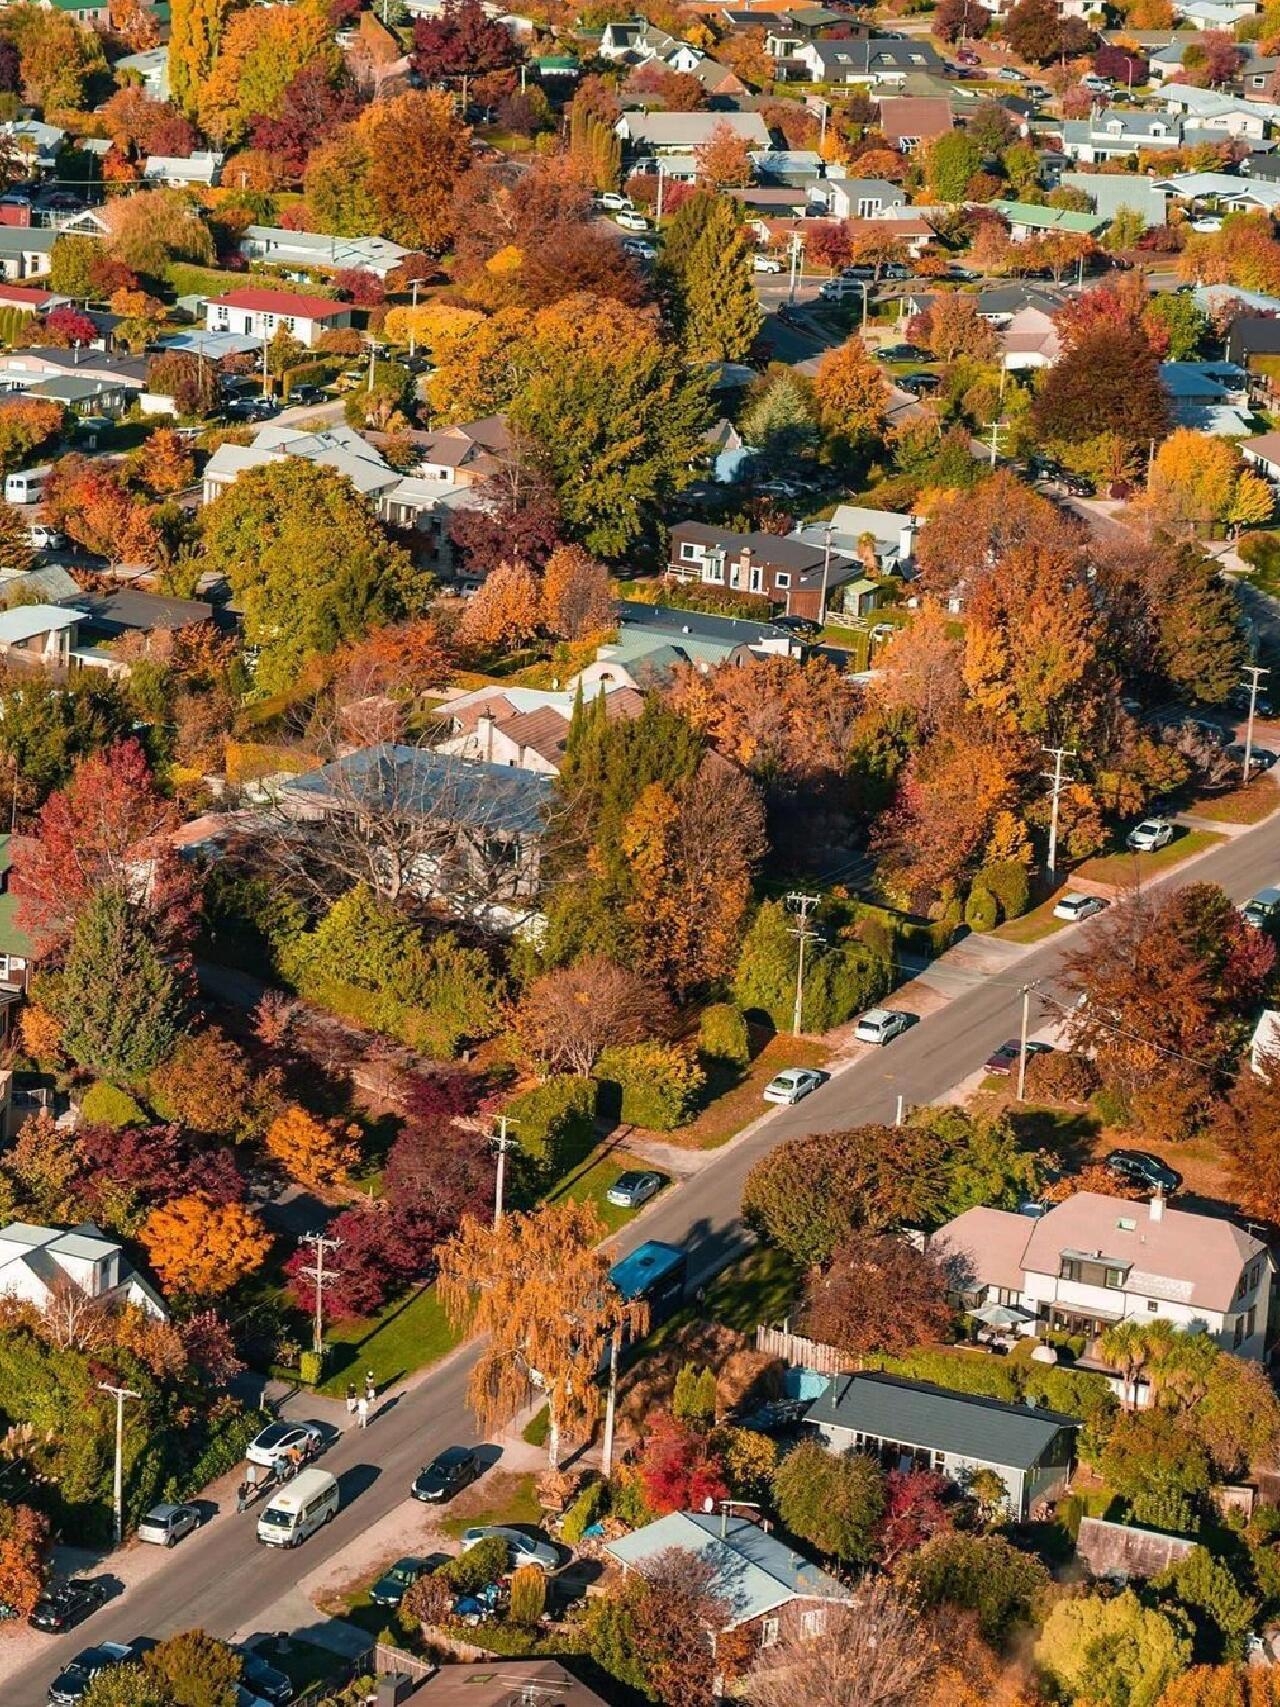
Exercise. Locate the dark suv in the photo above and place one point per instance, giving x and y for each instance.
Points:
(1143, 1168)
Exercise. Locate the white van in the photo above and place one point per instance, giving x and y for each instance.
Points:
(300, 1508)
(25, 485)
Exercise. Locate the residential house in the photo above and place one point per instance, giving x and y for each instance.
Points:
(776, 201)
(889, 534)
(1092, 1261)
(1209, 397)
(682, 133)
(313, 252)
(262, 313)
(912, 1425)
(1112, 192)
(83, 393)
(654, 640)
(913, 233)
(909, 122)
(42, 635)
(151, 68)
(128, 610)
(806, 580)
(202, 169)
(1216, 14)
(1264, 1045)
(862, 198)
(1261, 165)
(31, 299)
(1110, 133)
(465, 832)
(1029, 340)
(119, 375)
(1231, 195)
(873, 60)
(1027, 220)
(1257, 76)
(506, 1683)
(22, 942)
(770, 1591)
(35, 1262)
(524, 727)
(1211, 109)
(465, 453)
(1253, 342)
(1264, 450)
(34, 141)
(26, 252)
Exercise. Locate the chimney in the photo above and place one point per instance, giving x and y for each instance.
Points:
(1157, 1207)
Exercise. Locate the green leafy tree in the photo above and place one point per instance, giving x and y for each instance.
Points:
(981, 1574)
(780, 421)
(834, 1502)
(1200, 642)
(1112, 1651)
(310, 563)
(195, 31)
(196, 1670)
(1153, 1460)
(116, 997)
(951, 160)
(124, 1686)
(72, 261)
(1223, 1611)
(721, 315)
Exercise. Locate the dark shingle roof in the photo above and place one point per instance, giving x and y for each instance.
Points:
(439, 786)
(734, 630)
(917, 1414)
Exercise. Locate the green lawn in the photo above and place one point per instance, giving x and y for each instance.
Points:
(305, 1662)
(737, 1101)
(506, 1499)
(760, 1287)
(537, 1429)
(407, 1335)
(1126, 867)
(590, 1182)
(1032, 926)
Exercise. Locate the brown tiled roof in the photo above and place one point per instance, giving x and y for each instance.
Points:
(922, 116)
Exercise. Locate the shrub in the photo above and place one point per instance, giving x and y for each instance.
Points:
(842, 983)
(627, 1499)
(555, 1126)
(659, 1083)
(723, 1035)
(478, 1566)
(107, 1105)
(981, 912)
(1061, 1077)
(528, 1596)
(590, 1504)
(1009, 882)
(311, 1368)
(427, 1602)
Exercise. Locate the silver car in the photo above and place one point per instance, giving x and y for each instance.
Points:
(882, 1025)
(522, 1549)
(165, 1525)
(1151, 835)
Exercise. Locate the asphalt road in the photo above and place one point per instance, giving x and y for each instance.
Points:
(222, 1580)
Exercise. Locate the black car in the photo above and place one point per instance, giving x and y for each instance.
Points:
(1076, 486)
(919, 383)
(69, 1687)
(1238, 700)
(64, 1604)
(306, 394)
(447, 1474)
(1143, 1168)
(265, 1681)
(801, 625)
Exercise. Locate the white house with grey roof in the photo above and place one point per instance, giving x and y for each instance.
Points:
(912, 1425)
(36, 1262)
(683, 133)
(1093, 1261)
(311, 250)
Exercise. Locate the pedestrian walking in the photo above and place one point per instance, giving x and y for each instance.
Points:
(370, 1389)
(351, 1398)
(362, 1411)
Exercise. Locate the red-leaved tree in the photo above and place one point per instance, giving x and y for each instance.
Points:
(680, 1469)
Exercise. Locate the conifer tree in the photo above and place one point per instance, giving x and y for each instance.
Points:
(722, 316)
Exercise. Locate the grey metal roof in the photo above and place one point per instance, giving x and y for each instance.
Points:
(420, 783)
(755, 1573)
(915, 1413)
(681, 625)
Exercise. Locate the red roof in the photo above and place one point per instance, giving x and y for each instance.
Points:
(280, 302)
(25, 294)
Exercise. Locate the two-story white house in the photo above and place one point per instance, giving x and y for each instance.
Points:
(35, 1262)
(1094, 1261)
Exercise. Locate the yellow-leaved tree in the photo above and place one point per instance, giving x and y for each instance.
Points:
(313, 1152)
(201, 1248)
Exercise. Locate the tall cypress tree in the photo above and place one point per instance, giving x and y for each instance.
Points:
(722, 315)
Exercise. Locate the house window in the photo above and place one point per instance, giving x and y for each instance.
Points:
(782, 581)
(713, 569)
(1068, 1269)
(757, 578)
(770, 1631)
(289, 322)
(268, 320)
(688, 554)
(1152, 1305)
(812, 1623)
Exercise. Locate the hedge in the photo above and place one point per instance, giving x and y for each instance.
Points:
(222, 1451)
(657, 1084)
(107, 1105)
(590, 1504)
(723, 1034)
(555, 1127)
(1009, 882)
(981, 912)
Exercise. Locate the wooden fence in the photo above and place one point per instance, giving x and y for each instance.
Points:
(800, 1352)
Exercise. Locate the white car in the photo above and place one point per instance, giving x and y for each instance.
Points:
(165, 1525)
(614, 202)
(44, 538)
(1149, 835)
(630, 221)
(522, 1549)
(1208, 224)
(882, 1025)
(278, 1439)
(1073, 908)
(791, 1084)
(765, 264)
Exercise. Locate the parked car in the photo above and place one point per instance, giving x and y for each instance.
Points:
(447, 1474)
(900, 353)
(633, 1188)
(45, 538)
(639, 248)
(68, 1688)
(278, 1440)
(966, 56)
(882, 1025)
(898, 270)
(765, 264)
(1096, 85)
(1073, 908)
(1208, 224)
(1144, 1169)
(1010, 74)
(858, 271)
(165, 1524)
(1005, 1059)
(1260, 758)
(631, 221)
(792, 1084)
(1238, 700)
(266, 1681)
(614, 201)
(65, 1604)
(964, 275)
(1150, 835)
(1076, 486)
(391, 1589)
(919, 382)
(804, 626)
(306, 395)
(1263, 911)
(522, 1549)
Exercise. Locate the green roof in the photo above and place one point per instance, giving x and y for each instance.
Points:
(1049, 218)
(558, 62)
(13, 939)
(863, 586)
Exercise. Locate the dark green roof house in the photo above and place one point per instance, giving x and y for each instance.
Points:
(20, 946)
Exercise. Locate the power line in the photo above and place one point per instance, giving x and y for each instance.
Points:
(321, 1277)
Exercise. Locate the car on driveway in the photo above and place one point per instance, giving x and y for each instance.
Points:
(882, 1025)
(1005, 1059)
(447, 1474)
(792, 1084)
(1073, 908)
(42, 537)
(165, 1525)
(900, 353)
(1260, 758)
(1238, 700)
(265, 1681)
(1262, 910)
(633, 1188)
(614, 201)
(391, 1589)
(1143, 1168)
(522, 1549)
(279, 1439)
(69, 1687)
(631, 221)
(1150, 835)
(64, 1604)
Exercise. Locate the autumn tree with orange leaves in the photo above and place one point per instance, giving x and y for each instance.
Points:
(852, 393)
(200, 1248)
(724, 159)
(505, 611)
(536, 1290)
(1224, 1686)
(24, 1556)
(165, 463)
(314, 1152)
(575, 594)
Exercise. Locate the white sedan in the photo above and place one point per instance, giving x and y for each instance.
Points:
(1151, 835)
(791, 1084)
(1073, 908)
(882, 1025)
(766, 264)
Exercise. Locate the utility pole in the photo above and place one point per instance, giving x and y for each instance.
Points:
(315, 1272)
(1255, 672)
(610, 1405)
(119, 1394)
(1057, 754)
(800, 903)
(502, 1142)
(997, 428)
(826, 570)
(657, 212)
(797, 244)
(413, 324)
(1022, 1042)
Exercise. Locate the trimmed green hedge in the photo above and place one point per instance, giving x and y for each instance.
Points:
(555, 1127)
(107, 1105)
(657, 1085)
